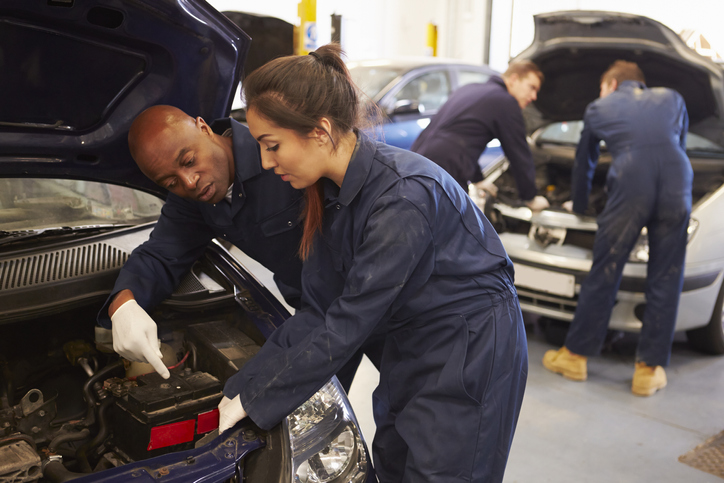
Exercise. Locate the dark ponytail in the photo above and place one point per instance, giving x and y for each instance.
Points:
(295, 92)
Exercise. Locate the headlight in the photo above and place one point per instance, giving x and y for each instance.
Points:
(325, 441)
(640, 252)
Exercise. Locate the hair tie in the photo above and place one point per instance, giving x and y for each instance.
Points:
(317, 56)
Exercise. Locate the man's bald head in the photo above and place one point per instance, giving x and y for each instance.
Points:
(182, 153)
(153, 122)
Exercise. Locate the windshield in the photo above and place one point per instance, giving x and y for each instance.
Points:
(372, 79)
(569, 132)
(31, 204)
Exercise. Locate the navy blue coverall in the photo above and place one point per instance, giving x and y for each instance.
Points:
(406, 254)
(473, 116)
(649, 185)
(262, 221)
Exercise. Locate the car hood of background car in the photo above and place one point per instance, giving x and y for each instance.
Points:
(574, 48)
(74, 74)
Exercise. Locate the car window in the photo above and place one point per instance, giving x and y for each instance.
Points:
(466, 77)
(430, 90)
(30, 204)
(372, 79)
(569, 132)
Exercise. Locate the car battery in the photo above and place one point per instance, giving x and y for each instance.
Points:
(221, 349)
(160, 416)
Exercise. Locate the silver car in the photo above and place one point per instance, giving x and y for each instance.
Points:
(552, 250)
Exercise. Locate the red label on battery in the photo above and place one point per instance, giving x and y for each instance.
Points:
(208, 421)
(171, 434)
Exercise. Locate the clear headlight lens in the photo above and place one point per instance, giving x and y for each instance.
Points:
(325, 441)
(640, 252)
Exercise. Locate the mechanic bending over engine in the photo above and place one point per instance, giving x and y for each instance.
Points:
(474, 115)
(392, 247)
(217, 188)
(649, 185)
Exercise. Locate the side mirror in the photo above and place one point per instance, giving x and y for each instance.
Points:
(407, 106)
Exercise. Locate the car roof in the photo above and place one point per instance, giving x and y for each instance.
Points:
(410, 63)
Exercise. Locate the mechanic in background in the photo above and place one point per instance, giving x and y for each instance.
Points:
(217, 188)
(649, 185)
(474, 115)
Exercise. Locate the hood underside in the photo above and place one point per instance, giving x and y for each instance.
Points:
(76, 73)
(573, 49)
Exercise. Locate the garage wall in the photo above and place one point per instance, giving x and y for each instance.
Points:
(388, 28)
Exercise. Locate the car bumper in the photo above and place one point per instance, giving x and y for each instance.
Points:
(548, 280)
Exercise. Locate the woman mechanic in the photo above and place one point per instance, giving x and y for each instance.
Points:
(393, 248)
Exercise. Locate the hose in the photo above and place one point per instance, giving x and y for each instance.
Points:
(66, 437)
(55, 472)
(103, 432)
(88, 392)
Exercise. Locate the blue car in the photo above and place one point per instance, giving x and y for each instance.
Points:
(410, 91)
(73, 206)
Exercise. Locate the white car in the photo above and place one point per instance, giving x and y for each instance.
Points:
(552, 250)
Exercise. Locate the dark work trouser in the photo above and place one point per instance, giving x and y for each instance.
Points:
(650, 188)
(449, 396)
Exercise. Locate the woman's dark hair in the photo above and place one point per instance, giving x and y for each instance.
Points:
(295, 92)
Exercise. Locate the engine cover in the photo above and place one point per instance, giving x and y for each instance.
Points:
(19, 463)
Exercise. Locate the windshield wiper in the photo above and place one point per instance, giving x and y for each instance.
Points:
(18, 235)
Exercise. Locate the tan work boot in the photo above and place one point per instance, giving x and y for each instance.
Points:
(647, 379)
(563, 361)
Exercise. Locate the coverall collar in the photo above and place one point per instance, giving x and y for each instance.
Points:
(244, 168)
(357, 171)
(631, 84)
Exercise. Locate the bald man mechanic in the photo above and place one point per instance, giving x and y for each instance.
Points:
(217, 189)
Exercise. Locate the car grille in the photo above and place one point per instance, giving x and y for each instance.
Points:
(60, 265)
(578, 238)
(555, 303)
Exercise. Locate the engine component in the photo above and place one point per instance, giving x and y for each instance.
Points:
(18, 462)
(220, 348)
(165, 415)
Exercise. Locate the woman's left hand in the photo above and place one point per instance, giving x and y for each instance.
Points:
(230, 413)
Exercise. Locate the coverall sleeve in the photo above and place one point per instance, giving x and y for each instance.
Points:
(155, 268)
(587, 153)
(684, 124)
(310, 347)
(511, 134)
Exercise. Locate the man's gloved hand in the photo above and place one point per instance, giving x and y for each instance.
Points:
(538, 203)
(230, 413)
(568, 206)
(487, 186)
(135, 336)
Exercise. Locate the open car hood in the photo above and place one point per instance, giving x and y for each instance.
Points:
(74, 74)
(574, 48)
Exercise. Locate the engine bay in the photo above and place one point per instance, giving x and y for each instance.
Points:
(69, 406)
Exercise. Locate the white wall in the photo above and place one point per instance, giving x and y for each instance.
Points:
(388, 28)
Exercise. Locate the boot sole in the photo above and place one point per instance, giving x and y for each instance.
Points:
(571, 376)
(647, 391)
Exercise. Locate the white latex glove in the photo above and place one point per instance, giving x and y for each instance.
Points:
(135, 336)
(487, 186)
(568, 206)
(230, 413)
(538, 203)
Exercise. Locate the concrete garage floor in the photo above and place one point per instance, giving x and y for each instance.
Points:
(597, 431)
(594, 431)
